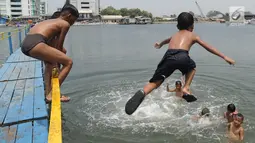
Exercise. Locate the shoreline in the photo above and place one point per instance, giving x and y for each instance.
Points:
(175, 22)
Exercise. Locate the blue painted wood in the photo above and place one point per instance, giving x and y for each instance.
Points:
(12, 134)
(21, 57)
(38, 69)
(14, 108)
(26, 111)
(3, 69)
(16, 72)
(11, 57)
(24, 133)
(40, 131)
(20, 39)
(16, 58)
(2, 86)
(5, 99)
(40, 109)
(20, 85)
(10, 42)
(31, 70)
(24, 70)
(8, 72)
(4, 134)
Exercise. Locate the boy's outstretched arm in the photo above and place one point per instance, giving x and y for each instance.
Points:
(169, 90)
(159, 45)
(214, 51)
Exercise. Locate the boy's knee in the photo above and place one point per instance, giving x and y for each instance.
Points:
(64, 50)
(70, 62)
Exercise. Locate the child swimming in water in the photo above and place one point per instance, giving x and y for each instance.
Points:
(231, 111)
(235, 129)
(205, 114)
(179, 93)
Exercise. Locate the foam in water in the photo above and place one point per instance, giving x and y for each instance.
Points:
(160, 112)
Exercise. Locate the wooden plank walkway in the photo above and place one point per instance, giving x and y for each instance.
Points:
(23, 111)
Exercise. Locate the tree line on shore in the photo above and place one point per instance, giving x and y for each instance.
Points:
(133, 12)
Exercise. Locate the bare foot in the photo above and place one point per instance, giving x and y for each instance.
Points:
(186, 90)
(62, 98)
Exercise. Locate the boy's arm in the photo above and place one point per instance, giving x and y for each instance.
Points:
(159, 45)
(241, 134)
(213, 50)
(169, 90)
(209, 48)
(61, 38)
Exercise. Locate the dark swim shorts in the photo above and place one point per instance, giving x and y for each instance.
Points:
(173, 59)
(30, 41)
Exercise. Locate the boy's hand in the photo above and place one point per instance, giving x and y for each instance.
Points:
(229, 60)
(157, 46)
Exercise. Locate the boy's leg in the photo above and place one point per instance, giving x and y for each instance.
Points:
(49, 54)
(188, 79)
(149, 87)
(47, 77)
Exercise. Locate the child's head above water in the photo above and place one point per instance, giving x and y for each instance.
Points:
(185, 21)
(69, 13)
(238, 119)
(205, 112)
(231, 108)
(178, 84)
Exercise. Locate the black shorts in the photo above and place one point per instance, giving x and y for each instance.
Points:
(173, 59)
(30, 41)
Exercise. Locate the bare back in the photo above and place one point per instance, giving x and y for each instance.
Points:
(183, 39)
(48, 28)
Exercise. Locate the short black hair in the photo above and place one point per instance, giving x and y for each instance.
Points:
(239, 115)
(231, 108)
(178, 83)
(70, 8)
(205, 112)
(185, 20)
(55, 15)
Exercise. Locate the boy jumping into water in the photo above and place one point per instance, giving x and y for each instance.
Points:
(179, 93)
(176, 57)
(49, 66)
(37, 43)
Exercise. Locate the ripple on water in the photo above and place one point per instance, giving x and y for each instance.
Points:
(160, 112)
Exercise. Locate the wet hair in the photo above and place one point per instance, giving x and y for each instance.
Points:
(69, 8)
(55, 15)
(239, 115)
(231, 108)
(185, 21)
(205, 112)
(178, 83)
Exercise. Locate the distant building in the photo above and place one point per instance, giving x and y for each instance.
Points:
(43, 8)
(17, 8)
(111, 18)
(249, 16)
(86, 8)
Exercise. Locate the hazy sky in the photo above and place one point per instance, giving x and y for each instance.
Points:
(167, 7)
